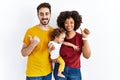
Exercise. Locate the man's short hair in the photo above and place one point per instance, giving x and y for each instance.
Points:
(44, 5)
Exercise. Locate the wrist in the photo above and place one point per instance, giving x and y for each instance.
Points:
(86, 38)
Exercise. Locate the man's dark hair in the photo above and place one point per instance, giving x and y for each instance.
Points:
(44, 5)
(69, 14)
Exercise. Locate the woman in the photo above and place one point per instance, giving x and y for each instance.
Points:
(71, 21)
(58, 36)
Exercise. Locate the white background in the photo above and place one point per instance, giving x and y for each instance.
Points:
(101, 17)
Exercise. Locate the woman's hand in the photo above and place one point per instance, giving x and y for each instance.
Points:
(85, 32)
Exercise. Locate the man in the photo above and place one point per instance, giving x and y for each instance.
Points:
(35, 46)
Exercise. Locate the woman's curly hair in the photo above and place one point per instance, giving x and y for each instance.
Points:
(69, 14)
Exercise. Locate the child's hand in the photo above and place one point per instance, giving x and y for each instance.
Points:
(76, 48)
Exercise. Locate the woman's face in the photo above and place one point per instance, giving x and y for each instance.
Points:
(69, 24)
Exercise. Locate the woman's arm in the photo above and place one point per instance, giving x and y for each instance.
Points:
(85, 48)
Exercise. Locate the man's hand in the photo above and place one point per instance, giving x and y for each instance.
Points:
(54, 60)
(51, 47)
(34, 40)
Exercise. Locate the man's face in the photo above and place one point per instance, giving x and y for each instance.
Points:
(44, 15)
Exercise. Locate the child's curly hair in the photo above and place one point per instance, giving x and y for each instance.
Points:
(57, 32)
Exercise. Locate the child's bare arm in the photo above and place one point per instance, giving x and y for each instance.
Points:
(71, 45)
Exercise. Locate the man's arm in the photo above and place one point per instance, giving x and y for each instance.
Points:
(27, 49)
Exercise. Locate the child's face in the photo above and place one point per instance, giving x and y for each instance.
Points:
(61, 38)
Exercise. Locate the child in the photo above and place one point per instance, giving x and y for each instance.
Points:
(58, 36)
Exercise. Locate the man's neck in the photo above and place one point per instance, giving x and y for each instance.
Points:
(44, 27)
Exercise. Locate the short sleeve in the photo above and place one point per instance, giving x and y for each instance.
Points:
(26, 39)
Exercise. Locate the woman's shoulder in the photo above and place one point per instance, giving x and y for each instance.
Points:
(78, 34)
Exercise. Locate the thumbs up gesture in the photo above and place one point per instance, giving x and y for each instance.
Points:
(85, 32)
(34, 40)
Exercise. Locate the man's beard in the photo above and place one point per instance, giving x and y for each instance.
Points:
(44, 22)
